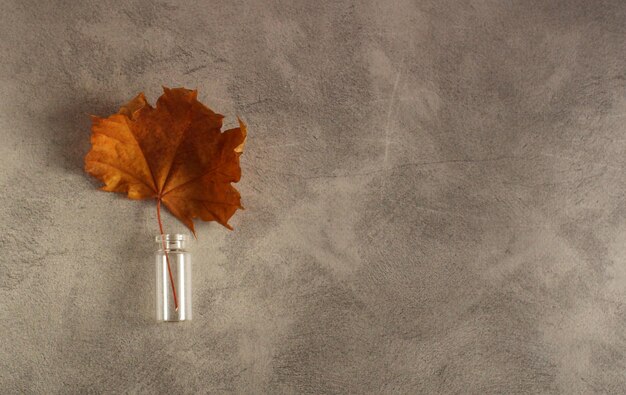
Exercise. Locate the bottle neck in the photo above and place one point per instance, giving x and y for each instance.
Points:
(171, 242)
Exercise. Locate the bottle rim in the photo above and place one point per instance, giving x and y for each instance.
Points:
(170, 237)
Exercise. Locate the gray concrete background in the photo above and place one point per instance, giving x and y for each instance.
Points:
(434, 193)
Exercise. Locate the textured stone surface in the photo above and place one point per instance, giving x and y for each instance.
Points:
(434, 193)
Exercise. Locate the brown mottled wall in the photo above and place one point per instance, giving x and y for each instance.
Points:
(434, 197)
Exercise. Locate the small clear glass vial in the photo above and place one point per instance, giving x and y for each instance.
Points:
(180, 265)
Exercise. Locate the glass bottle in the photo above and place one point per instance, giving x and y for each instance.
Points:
(180, 264)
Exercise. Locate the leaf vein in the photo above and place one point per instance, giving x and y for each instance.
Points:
(133, 176)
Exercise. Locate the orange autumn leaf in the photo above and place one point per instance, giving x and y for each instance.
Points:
(175, 153)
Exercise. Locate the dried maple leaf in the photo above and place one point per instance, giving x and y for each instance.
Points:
(174, 152)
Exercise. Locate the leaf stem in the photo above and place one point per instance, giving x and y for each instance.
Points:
(167, 257)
